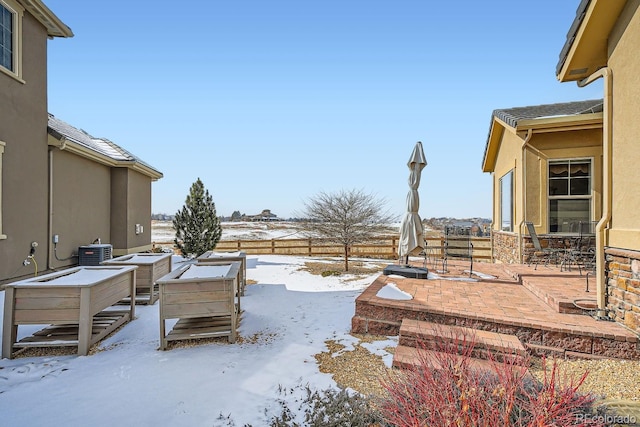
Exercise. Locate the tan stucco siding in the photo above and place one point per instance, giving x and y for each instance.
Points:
(23, 127)
(131, 205)
(507, 159)
(542, 147)
(81, 203)
(625, 65)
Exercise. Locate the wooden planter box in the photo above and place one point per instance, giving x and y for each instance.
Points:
(203, 299)
(151, 267)
(77, 303)
(211, 257)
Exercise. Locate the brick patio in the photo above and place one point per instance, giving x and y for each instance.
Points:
(534, 305)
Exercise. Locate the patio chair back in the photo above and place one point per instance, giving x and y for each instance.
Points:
(534, 236)
(545, 255)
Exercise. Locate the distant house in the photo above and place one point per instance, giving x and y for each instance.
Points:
(546, 164)
(602, 43)
(54, 183)
(265, 215)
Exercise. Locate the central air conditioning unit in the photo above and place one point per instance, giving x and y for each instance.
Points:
(94, 254)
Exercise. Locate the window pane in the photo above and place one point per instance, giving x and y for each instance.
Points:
(558, 170)
(506, 202)
(580, 169)
(565, 214)
(580, 186)
(6, 39)
(558, 187)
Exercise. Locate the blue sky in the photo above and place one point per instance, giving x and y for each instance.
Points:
(271, 102)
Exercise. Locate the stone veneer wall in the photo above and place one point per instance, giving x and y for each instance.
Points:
(505, 247)
(622, 271)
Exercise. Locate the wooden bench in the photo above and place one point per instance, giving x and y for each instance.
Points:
(151, 267)
(78, 303)
(211, 257)
(203, 299)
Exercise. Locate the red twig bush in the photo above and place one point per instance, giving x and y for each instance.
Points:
(447, 387)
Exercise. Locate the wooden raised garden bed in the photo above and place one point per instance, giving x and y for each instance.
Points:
(211, 257)
(77, 303)
(203, 299)
(151, 267)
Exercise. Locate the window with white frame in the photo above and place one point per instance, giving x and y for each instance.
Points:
(506, 201)
(569, 194)
(2, 144)
(10, 37)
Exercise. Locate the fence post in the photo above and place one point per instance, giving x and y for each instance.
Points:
(310, 251)
(273, 246)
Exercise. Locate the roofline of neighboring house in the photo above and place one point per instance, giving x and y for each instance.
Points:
(586, 47)
(67, 144)
(55, 27)
(538, 125)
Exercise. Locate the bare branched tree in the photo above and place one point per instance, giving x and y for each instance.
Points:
(346, 218)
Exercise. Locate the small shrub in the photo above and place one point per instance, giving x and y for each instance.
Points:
(446, 389)
(328, 273)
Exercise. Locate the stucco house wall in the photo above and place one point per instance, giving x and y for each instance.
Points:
(80, 204)
(624, 61)
(130, 215)
(102, 186)
(602, 44)
(23, 130)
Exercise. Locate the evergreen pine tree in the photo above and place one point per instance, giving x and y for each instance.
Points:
(197, 226)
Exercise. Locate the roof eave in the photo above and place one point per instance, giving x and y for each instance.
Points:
(71, 146)
(550, 124)
(587, 49)
(54, 25)
(493, 144)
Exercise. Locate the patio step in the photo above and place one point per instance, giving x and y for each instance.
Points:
(406, 357)
(449, 338)
(555, 298)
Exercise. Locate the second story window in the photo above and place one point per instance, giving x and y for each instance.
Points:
(10, 22)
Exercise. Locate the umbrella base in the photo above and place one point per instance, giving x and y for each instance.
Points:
(406, 271)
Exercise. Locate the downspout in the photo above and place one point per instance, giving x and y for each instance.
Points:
(525, 144)
(607, 154)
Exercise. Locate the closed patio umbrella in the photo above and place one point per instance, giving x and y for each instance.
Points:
(411, 234)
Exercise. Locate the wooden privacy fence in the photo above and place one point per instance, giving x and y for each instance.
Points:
(383, 247)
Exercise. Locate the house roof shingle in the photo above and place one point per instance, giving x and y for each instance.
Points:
(60, 129)
(571, 34)
(512, 116)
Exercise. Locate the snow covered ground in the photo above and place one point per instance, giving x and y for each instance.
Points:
(287, 317)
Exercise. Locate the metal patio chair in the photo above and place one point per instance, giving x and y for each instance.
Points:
(581, 252)
(542, 254)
